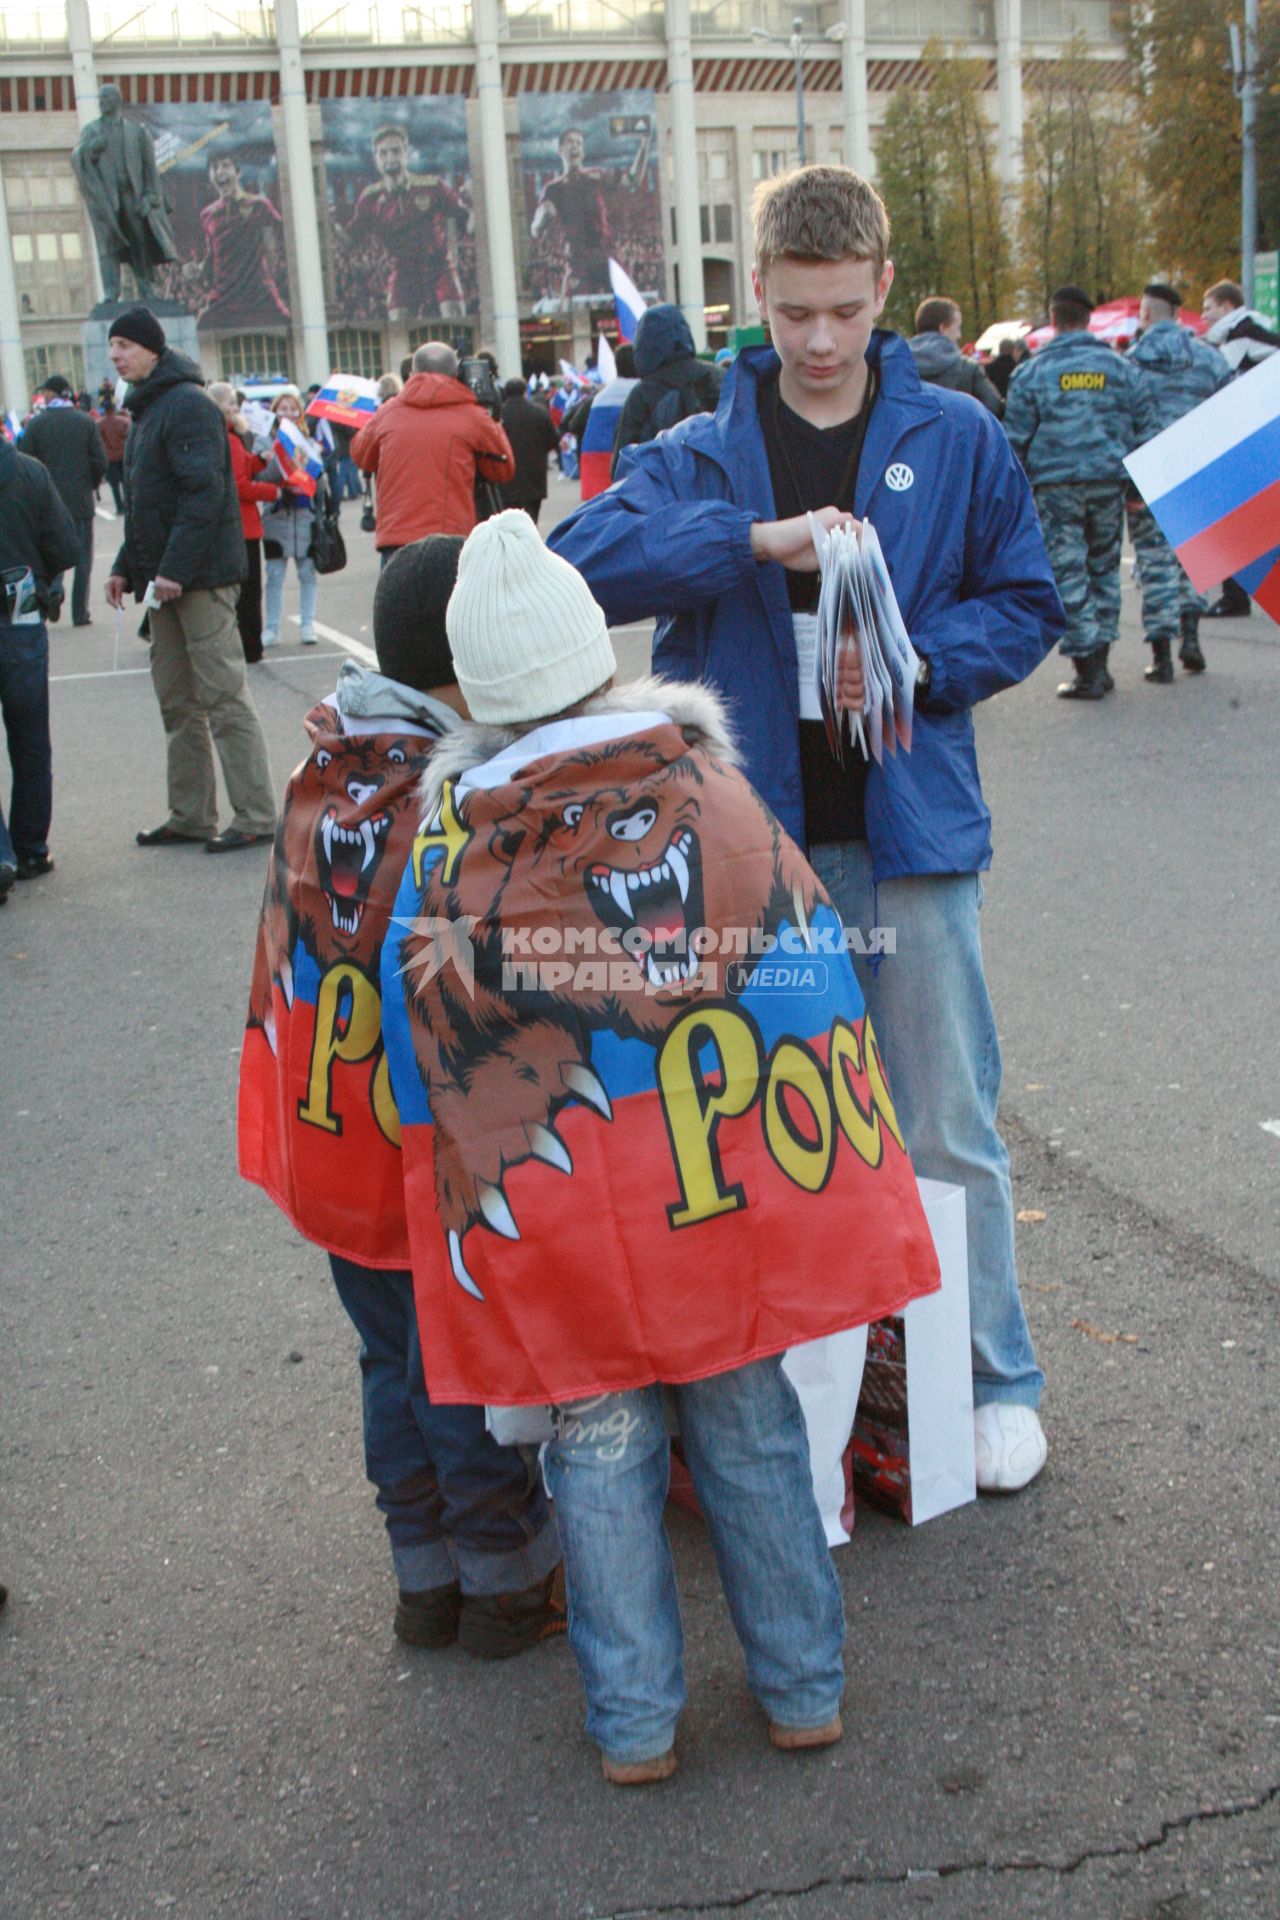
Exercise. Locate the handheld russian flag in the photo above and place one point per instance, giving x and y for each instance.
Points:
(595, 456)
(606, 365)
(297, 458)
(1261, 582)
(346, 398)
(1212, 479)
(627, 299)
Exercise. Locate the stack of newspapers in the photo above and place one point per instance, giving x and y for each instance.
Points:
(858, 608)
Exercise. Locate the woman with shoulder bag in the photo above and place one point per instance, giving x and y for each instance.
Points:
(286, 535)
(252, 492)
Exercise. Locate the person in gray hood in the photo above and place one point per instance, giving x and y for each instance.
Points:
(673, 382)
(935, 346)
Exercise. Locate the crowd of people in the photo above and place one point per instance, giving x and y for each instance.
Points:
(490, 781)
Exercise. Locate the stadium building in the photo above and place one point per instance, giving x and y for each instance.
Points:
(344, 180)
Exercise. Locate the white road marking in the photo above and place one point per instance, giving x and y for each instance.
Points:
(103, 673)
(118, 673)
(356, 648)
(105, 513)
(1270, 1126)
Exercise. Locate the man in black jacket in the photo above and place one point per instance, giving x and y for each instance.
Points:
(67, 441)
(37, 541)
(533, 437)
(184, 554)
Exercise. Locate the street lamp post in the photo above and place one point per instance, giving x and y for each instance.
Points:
(796, 46)
(1244, 62)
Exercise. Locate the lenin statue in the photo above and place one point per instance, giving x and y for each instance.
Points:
(115, 163)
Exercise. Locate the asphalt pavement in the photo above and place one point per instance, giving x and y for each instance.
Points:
(1064, 1704)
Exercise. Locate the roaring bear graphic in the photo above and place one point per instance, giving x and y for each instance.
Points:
(345, 806)
(637, 837)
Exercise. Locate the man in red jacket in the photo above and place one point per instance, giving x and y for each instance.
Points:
(426, 447)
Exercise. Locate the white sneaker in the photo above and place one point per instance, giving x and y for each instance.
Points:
(1009, 1446)
(309, 637)
(270, 638)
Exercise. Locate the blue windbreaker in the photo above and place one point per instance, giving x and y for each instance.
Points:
(672, 537)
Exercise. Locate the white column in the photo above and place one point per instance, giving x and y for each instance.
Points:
(500, 238)
(308, 295)
(853, 80)
(13, 373)
(80, 37)
(684, 149)
(1009, 88)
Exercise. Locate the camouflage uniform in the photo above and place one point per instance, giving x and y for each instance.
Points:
(1179, 372)
(1074, 410)
(1083, 527)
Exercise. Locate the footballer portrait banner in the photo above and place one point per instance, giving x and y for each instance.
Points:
(221, 179)
(400, 230)
(590, 167)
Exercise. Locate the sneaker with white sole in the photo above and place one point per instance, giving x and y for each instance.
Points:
(309, 637)
(1009, 1446)
(270, 638)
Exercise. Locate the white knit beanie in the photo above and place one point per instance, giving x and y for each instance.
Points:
(528, 640)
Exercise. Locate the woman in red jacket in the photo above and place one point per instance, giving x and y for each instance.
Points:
(245, 466)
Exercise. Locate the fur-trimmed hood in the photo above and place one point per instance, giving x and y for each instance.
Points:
(696, 709)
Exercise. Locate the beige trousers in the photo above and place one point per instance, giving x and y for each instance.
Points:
(197, 669)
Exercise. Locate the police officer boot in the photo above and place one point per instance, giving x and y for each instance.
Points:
(1233, 605)
(1090, 680)
(1108, 684)
(1160, 672)
(1189, 652)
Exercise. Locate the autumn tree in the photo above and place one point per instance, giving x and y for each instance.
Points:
(936, 162)
(1084, 214)
(1190, 120)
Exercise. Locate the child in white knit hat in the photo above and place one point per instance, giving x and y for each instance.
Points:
(602, 1192)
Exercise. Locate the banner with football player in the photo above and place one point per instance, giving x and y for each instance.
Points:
(590, 168)
(221, 177)
(401, 239)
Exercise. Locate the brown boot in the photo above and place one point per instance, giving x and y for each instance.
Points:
(639, 1773)
(802, 1739)
(493, 1626)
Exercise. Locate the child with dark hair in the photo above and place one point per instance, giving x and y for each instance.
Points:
(473, 1543)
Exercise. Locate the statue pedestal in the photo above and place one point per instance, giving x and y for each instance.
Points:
(179, 331)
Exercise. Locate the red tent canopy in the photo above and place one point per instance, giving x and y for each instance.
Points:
(1117, 322)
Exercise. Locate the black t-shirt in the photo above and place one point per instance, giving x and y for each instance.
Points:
(813, 467)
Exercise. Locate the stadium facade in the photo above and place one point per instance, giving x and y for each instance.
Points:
(344, 180)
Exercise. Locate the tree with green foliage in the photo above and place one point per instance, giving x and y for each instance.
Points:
(937, 173)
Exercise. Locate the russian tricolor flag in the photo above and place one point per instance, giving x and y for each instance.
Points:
(346, 398)
(1261, 582)
(627, 299)
(297, 458)
(1212, 480)
(595, 456)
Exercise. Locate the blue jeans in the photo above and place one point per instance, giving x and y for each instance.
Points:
(457, 1505)
(608, 1466)
(24, 702)
(929, 1005)
(307, 582)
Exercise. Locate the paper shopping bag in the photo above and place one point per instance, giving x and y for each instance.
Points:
(912, 1448)
(827, 1376)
